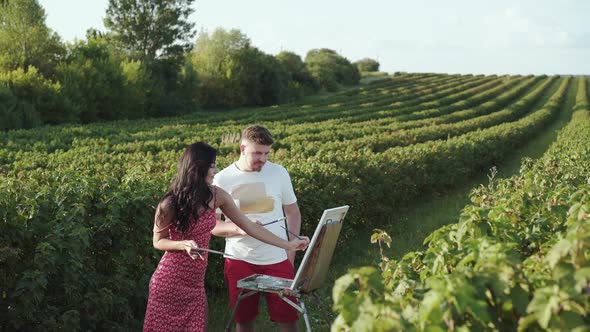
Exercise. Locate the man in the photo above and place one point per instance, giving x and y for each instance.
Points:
(263, 191)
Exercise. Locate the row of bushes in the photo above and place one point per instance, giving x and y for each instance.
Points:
(390, 132)
(517, 259)
(399, 174)
(395, 102)
(286, 120)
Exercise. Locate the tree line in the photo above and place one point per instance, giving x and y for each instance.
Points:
(149, 62)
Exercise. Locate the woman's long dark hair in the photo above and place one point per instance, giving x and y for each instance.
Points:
(189, 191)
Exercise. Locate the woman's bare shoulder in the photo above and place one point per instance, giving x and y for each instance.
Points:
(221, 194)
(166, 204)
(164, 214)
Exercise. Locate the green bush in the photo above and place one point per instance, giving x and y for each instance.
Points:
(300, 82)
(93, 81)
(172, 90)
(367, 65)
(136, 82)
(10, 116)
(69, 256)
(331, 69)
(39, 100)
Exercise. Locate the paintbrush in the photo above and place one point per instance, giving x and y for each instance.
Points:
(295, 235)
(272, 222)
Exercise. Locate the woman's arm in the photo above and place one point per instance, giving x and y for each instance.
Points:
(226, 228)
(163, 221)
(229, 208)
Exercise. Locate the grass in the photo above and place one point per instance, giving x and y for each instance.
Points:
(408, 227)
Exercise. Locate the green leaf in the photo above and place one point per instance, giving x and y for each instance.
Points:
(568, 321)
(431, 308)
(563, 270)
(558, 251)
(479, 309)
(525, 323)
(520, 299)
(340, 287)
(544, 303)
(582, 278)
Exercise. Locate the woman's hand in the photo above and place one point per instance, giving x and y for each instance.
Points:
(299, 244)
(189, 247)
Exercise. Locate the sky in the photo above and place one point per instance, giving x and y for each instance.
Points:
(452, 36)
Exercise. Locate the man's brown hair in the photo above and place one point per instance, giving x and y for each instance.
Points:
(257, 134)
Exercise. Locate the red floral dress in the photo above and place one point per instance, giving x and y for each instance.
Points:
(177, 299)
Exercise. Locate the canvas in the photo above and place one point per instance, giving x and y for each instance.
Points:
(315, 264)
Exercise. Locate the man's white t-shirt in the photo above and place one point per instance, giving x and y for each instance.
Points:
(260, 196)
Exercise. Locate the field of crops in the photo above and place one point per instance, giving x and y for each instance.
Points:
(517, 259)
(77, 202)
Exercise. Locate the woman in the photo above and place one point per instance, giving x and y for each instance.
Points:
(183, 221)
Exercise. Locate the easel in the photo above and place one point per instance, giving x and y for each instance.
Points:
(249, 290)
(311, 273)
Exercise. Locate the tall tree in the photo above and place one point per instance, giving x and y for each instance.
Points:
(300, 80)
(93, 80)
(151, 29)
(234, 73)
(219, 61)
(25, 39)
